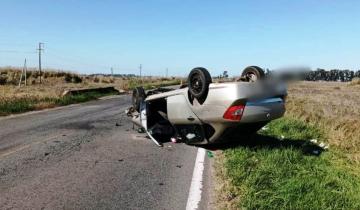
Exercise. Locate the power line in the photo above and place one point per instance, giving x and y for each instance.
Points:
(74, 60)
(16, 51)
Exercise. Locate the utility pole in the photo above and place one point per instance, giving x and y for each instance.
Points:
(112, 71)
(167, 70)
(140, 68)
(23, 71)
(25, 68)
(40, 49)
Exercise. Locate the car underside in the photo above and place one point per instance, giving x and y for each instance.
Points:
(203, 112)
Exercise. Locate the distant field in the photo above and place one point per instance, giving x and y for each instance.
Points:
(333, 107)
(35, 96)
(280, 168)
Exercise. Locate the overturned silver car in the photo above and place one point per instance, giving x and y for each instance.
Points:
(203, 112)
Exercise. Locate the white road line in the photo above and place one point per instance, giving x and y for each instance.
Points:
(194, 197)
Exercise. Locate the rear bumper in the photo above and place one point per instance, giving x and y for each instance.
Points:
(263, 110)
(257, 113)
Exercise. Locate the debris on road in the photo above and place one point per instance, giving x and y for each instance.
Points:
(210, 154)
(141, 130)
(173, 140)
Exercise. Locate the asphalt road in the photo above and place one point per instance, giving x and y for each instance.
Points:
(87, 156)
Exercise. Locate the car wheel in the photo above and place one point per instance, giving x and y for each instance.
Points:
(198, 82)
(253, 73)
(137, 97)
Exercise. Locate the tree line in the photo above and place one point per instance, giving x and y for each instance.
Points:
(317, 75)
(332, 75)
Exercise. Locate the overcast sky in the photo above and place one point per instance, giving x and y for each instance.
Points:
(93, 36)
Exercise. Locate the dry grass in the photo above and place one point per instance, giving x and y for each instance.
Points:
(55, 82)
(46, 95)
(332, 106)
(355, 81)
(51, 88)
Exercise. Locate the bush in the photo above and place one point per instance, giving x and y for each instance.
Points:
(76, 79)
(67, 78)
(3, 80)
(72, 78)
(355, 81)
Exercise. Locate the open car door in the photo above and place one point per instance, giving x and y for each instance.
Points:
(143, 121)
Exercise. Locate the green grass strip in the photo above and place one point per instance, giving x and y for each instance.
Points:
(29, 104)
(279, 168)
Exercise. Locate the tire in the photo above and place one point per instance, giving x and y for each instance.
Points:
(137, 97)
(253, 73)
(199, 80)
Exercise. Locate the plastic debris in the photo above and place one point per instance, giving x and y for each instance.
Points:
(324, 146)
(313, 141)
(210, 154)
(321, 144)
(173, 140)
(190, 136)
(316, 152)
(141, 130)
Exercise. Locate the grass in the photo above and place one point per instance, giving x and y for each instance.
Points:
(268, 171)
(355, 81)
(330, 106)
(25, 104)
(35, 96)
(151, 84)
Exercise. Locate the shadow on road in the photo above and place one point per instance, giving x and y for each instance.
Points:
(258, 141)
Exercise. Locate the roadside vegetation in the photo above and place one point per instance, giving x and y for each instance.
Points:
(25, 104)
(285, 165)
(151, 83)
(35, 96)
(333, 107)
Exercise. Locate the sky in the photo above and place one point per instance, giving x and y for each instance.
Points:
(93, 36)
